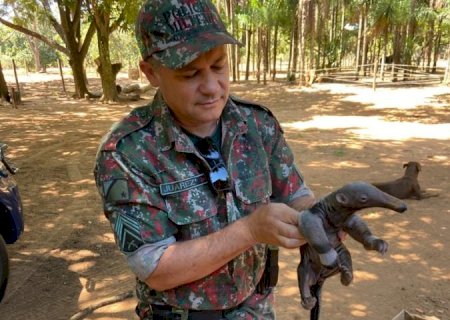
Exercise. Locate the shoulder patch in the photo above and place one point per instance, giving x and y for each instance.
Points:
(240, 101)
(134, 121)
(116, 191)
(264, 109)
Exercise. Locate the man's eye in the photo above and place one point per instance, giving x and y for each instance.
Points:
(189, 75)
(218, 66)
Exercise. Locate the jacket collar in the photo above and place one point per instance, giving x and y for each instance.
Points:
(171, 135)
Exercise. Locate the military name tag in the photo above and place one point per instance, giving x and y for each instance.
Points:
(182, 185)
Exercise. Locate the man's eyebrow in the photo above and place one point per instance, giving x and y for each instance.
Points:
(190, 67)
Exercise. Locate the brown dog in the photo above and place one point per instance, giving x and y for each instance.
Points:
(406, 186)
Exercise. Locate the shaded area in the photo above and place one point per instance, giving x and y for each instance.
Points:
(67, 259)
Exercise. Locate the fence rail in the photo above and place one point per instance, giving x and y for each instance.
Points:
(376, 75)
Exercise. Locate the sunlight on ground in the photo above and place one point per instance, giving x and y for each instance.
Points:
(338, 164)
(374, 127)
(364, 276)
(358, 310)
(395, 97)
(405, 258)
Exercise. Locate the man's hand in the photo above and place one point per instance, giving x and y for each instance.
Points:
(276, 224)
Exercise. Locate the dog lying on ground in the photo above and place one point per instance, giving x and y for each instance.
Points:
(406, 187)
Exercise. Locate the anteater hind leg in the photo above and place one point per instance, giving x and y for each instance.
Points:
(345, 264)
(305, 276)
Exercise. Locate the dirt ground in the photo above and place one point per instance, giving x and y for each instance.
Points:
(67, 261)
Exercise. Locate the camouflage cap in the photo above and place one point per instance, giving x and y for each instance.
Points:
(176, 32)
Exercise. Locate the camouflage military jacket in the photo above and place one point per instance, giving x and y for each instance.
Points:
(148, 172)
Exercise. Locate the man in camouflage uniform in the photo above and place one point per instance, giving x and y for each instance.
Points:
(198, 183)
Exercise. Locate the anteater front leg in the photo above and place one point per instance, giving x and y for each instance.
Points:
(311, 227)
(360, 231)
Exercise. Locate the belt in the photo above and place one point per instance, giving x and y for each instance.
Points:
(166, 312)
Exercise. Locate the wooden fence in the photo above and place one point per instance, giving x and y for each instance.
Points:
(375, 75)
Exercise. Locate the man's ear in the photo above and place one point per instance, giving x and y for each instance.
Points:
(150, 72)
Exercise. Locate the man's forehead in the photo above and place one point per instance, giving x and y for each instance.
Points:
(212, 56)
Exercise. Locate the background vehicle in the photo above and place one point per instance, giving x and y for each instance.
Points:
(11, 215)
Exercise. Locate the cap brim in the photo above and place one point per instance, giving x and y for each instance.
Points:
(185, 52)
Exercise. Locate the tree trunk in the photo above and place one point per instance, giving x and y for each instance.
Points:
(291, 50)
(312, 36)
(274, 57)
(430, 42)
(295, 36)
(410, 33)
(397, 46)
(34, 46)
(232, 51)
(447, 70)
(365, 39)
(358, 42)
(107, 75)
(437, 45)
(341, 44)
(302, 40)
(107, 71)
(248, 53)
(3, 87)
(76, 63)
(265, 50)
(320, 27)
(258, 58)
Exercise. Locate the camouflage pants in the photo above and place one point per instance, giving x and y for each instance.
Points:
(256, 307)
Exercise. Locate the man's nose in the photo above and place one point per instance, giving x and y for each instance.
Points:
(210, 83)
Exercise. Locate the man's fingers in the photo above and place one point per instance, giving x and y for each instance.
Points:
(290, 231)
(342, 235)
(290, 243)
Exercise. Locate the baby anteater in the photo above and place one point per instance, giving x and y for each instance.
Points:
(325, 255)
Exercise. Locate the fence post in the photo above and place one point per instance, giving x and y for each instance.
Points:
(447, 70)
(15, 75)
(62, 76)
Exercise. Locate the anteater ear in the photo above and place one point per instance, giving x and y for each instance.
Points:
(341, 198)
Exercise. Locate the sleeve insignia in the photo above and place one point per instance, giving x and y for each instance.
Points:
(128, 233)
(116, 191)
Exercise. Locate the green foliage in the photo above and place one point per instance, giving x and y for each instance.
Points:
(123, 48)
(383, 18)
(14, 47)
(49, 58)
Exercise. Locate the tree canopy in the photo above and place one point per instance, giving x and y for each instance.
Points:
(305, 34)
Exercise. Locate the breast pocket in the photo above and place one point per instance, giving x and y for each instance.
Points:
(192, 206)
(253, 190)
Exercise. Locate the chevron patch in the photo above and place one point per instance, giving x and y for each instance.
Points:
(128, 233)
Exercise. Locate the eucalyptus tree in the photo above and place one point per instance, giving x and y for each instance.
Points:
(250, 18)
(66, 17)
(438, 14)
(281, 15)
(270, 20)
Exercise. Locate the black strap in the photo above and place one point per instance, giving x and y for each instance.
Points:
(166, 312)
